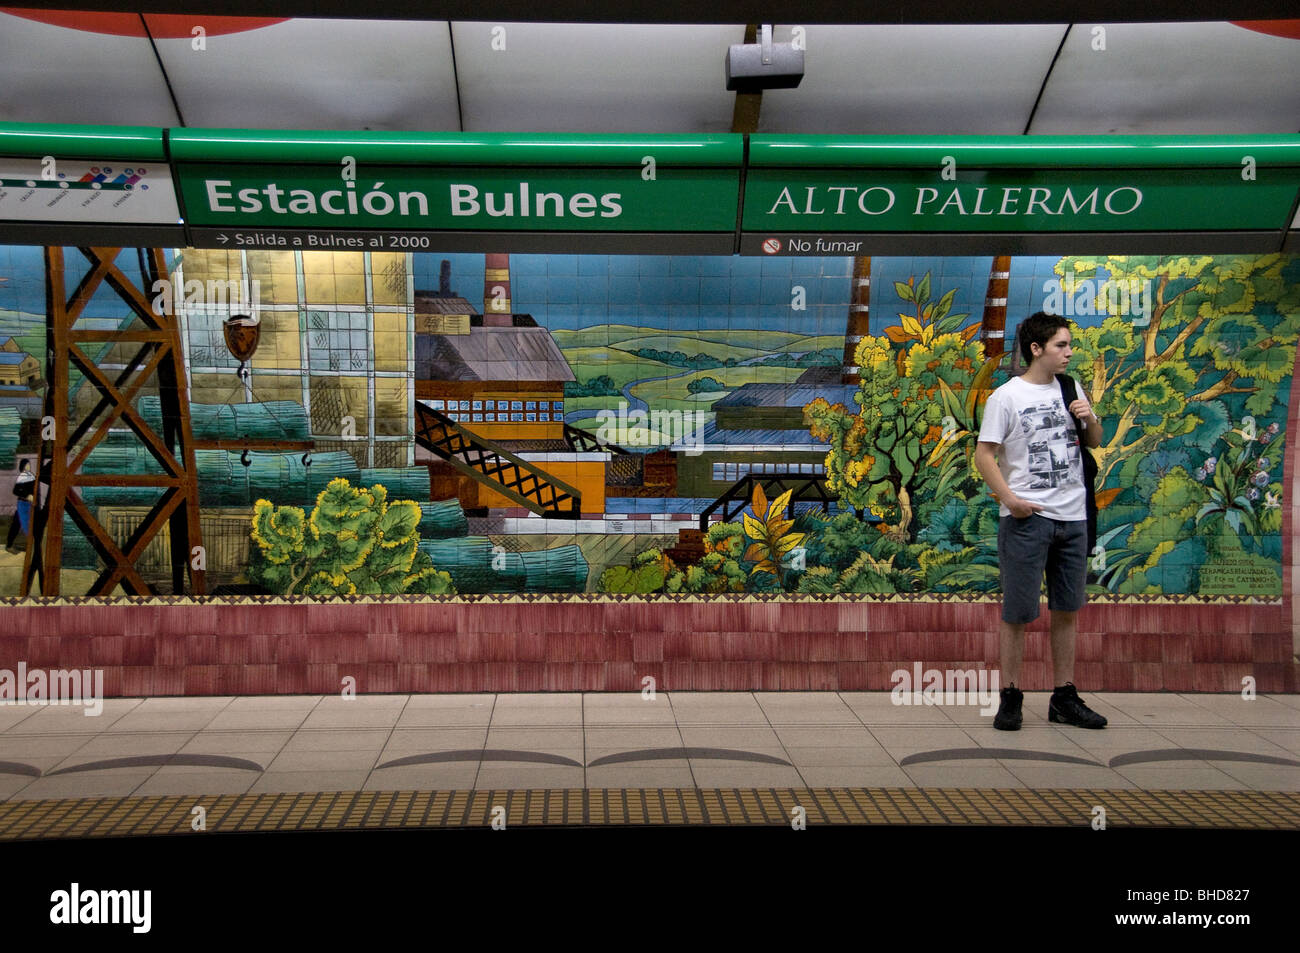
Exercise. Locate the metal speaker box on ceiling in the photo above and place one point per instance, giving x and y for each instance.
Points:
(766, 65)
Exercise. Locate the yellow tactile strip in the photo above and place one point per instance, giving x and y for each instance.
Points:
(369, 810)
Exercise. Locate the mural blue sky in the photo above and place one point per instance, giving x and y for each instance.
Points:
(687, 292)
(652, 291)
(22, 280)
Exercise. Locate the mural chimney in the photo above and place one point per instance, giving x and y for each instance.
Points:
(497, 309)
(444, 280)
(993, 331)
(859, 319)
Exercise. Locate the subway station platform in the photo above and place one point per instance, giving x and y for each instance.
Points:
(294, 763)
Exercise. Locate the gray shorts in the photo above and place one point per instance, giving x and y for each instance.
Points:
(1030, 547)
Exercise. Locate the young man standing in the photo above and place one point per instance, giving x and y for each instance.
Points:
(1029, 454)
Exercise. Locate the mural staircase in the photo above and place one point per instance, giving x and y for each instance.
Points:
(629, 472)
(807, 489)
(580, 441)
(495, 467)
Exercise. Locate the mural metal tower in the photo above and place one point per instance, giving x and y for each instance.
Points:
(66, 443)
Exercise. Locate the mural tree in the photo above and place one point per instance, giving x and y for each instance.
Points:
(1186, 387)
(881, 458)
(1218, 326)
(931, 318)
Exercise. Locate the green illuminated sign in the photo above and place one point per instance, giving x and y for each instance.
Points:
(628, 193)
(459, 182)
(413, 198)
(1028, 184)
(906, 200)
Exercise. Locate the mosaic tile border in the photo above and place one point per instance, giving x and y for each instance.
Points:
(604, 599)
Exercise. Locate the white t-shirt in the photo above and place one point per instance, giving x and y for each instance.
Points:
(1039, 457)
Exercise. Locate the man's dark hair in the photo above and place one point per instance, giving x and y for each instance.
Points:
(1038, 329)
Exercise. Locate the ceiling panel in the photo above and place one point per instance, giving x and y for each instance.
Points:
(914, 79)
(595, 78)
(1173, 78)
(54, 74)
(318, 74)
(722, 11)
(602, 78)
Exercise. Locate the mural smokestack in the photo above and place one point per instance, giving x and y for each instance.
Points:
(859, 319)
(994, 329)
(496, 287)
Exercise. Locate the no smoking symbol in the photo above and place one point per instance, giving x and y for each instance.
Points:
(771, 245)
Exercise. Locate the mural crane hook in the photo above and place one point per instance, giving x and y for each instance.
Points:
(243, 332)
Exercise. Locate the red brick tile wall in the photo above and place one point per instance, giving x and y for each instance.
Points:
(583, 645)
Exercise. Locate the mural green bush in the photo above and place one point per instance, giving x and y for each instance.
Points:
(652, 571)
(649, 572)
(720, 570)
(355, 542)
(716, 573)
(705, 385)
(601, 385)
(724, 567)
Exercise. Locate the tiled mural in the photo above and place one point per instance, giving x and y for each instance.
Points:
(371, 423)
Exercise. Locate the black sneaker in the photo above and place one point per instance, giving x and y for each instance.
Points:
(1009, 715)
(1067, 708)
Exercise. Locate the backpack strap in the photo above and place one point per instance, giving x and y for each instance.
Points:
(1069, 394)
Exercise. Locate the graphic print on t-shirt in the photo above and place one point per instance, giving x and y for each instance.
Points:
(1053, 446)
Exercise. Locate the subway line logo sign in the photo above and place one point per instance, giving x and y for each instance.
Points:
(523, 199)
(1013, 201)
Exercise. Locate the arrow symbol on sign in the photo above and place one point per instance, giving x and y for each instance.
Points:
(223, 239)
